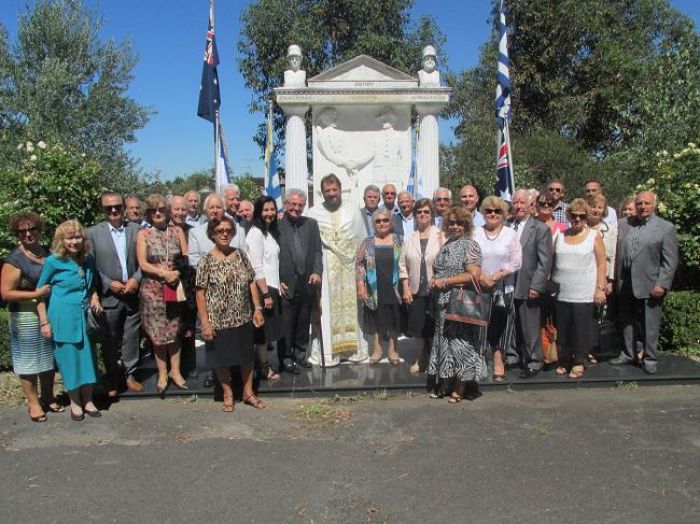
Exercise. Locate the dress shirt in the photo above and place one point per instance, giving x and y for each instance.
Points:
(611, 219)
(408, 224)
(478, 219)
(520, 226)
(193, 221)
(438, 222)
(264, 255)
(119, 239)
(559, 213)
(396, 209)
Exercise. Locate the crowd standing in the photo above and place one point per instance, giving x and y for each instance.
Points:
(247, 278)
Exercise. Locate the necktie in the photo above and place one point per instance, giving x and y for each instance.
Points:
(516, 225)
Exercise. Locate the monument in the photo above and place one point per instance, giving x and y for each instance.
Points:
(361, 112)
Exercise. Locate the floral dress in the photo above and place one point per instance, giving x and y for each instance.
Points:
(160, 320)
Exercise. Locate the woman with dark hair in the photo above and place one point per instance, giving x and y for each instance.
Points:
(32, 354)
(70, 271)
(229, 307)
(263, 252)
(159, 250)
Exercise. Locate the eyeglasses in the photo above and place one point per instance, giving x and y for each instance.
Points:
(542, 203)
(223, 232)
(382, 221)
(389, 193)
(442, 199)
(454, 223)
(578, 216)
(493, 211)
(118, 208)
(25, 230)
(423, 212)
(555, 189)
(161, 210)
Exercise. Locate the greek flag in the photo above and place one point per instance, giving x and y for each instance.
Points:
(272, 179)
(223, 171)
(415, 183)
(505, 184)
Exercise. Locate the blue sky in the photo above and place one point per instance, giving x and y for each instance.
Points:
(168, 36)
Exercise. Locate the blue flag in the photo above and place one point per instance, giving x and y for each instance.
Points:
(505, 184)
(272, 180)
(209, 94)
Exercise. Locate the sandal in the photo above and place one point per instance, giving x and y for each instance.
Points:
(54, 407)
(228, 405)
(498, 378)
(561, 371)
(576, 373)
(375, 360)
(38, 418)
(395, 361)
(592, 359)
(255, 402)
(454, 399)
(271, 374)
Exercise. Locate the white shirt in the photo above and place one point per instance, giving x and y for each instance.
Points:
(408, 224)
(478, 219)
(119, 239)
(500, 253)
(264, 254)
(611, 219)
(521, 227)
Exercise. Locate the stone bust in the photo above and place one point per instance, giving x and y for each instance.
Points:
(429, 76)
(294, 76)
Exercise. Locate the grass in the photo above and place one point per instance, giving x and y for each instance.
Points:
(626, 386)
(10, 390)
(543, 430)
(322, 415)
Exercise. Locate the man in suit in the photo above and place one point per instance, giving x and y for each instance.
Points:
(389, 197)
(530, 284)
(199, 244)
(194, 217)
(114, 248)
(646, 262)
(371, 199)
(404, 222)
(442, 200)
(301, 267)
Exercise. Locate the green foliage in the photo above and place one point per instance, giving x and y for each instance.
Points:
(61, 84)
(250, 189)
(329, 32)
(677, 186)
(680, 329)
(5, 354)
(53, 181)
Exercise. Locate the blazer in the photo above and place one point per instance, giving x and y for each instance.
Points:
(536, 244)
(69, 298)
(310, 238)
(199, 244)
(409, 262)
(107, 261)
(656, 259)
(397, 220)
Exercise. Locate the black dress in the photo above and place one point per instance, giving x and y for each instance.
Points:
(386, 319)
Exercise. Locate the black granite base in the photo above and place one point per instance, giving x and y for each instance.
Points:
(350, 378)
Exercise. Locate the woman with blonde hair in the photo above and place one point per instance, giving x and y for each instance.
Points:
(70, 271)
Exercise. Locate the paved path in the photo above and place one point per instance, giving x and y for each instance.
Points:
(602, 455)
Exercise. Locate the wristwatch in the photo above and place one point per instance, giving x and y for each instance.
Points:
(258, 308)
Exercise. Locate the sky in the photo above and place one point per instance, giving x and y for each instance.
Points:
(169, 36)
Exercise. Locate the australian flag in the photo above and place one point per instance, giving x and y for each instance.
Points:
(505, 184)
(209, 94)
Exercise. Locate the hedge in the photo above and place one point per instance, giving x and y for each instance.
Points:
(5, 356)
(680, 327)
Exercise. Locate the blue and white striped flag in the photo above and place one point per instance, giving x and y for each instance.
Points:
(412, 185)
(223, 171)
(272, 179)
(505, 184)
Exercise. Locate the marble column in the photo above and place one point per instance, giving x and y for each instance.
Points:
(428, 152)
(295, 165)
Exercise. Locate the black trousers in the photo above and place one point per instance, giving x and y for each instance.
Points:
(296, 312)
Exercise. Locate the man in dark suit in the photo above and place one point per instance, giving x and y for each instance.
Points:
(530, 284)
(114, 247)
(404, 222)
(301, 267)
(370, 197)
(646, 262)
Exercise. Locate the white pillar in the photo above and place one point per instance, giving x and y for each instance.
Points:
(295, 166)
(428, 153)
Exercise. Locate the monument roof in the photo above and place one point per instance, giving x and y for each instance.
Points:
(362, 72)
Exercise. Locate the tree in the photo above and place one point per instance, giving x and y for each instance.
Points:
(329, 32)
(61, 84)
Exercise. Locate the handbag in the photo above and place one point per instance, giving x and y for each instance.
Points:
(548, 336)
(96, 324)
(174, 293)
(468, 306)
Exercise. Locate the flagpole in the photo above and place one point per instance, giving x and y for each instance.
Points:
(511, 170)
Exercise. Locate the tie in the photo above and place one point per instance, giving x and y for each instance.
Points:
(516, 225)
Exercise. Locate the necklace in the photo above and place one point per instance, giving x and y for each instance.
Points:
(492, 239)
(37, 259)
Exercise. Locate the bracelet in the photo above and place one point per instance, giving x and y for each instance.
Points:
(208, 326)
(44, 324)
(258, 308)
(600, 288)
(266, 294)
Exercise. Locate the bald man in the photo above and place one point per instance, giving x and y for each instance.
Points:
(469, 197)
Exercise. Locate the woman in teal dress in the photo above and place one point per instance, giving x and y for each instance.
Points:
(70, 273)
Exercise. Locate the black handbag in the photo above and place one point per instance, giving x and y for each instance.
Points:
(96, 324)
(469, 306)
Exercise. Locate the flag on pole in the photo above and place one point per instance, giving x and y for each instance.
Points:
(223, 171)
(505, 184)
(209, 94)
(272, 179)
(415, 187)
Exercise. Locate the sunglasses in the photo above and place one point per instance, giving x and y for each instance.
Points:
(442, 199)
(389, 193)
(423, 212)
(493, 211)
(555, 189)
(542, 203)
(454, 223)
(578, 216)
(118, 208)
(25, 230)
(382, 221)
(161, 210)
(223, 232)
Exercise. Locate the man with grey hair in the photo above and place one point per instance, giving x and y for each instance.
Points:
(194, 217)
(371, 199)
(245, 210)
(300, 270)
(389, 198)
(404, 223)
(646, 262)
(199, 244)
(442, 200)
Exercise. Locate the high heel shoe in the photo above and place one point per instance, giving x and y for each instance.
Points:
(178, 385)
(77, 417)
(39, 418)
(161, 390)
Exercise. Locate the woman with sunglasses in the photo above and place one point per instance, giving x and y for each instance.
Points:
(161, 249)
(545, 213)
(416, 271)
(32, 354)
(263, 252)
(456, 362)
(501, 257)
(377, 280)
(580, 270)
(229, 307)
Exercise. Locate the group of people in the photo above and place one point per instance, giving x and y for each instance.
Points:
(327, 284)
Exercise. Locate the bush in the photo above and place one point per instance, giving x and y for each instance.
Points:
(5, 355)
(680, 329)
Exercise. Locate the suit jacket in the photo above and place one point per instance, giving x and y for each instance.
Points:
(107, 261)
(409, 263)
(199, 244)
(656, 259)
(367, 221)
(536, 244)
(397, 220)
(310, 238)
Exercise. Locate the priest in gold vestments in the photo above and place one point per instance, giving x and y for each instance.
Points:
(342, 230)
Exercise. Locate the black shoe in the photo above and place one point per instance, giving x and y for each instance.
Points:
(303, 363)
(471, 391)
(512, 365)
(620, 360)
(208, 382)
(77, 418)
(529, 373)
(289, 367)
(96, 413)
(649, 370)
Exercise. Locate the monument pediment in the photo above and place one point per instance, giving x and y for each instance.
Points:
(362, 72)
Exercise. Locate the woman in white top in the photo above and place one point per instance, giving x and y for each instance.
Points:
(263, 252)
(416, 271)
(501, 257)
(580, 271)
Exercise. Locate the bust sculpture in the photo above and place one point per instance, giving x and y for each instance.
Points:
(429, 76)
(294, 76)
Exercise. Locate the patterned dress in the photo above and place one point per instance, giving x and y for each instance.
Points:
(31, 353)
(160, 320)
(454, 352)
